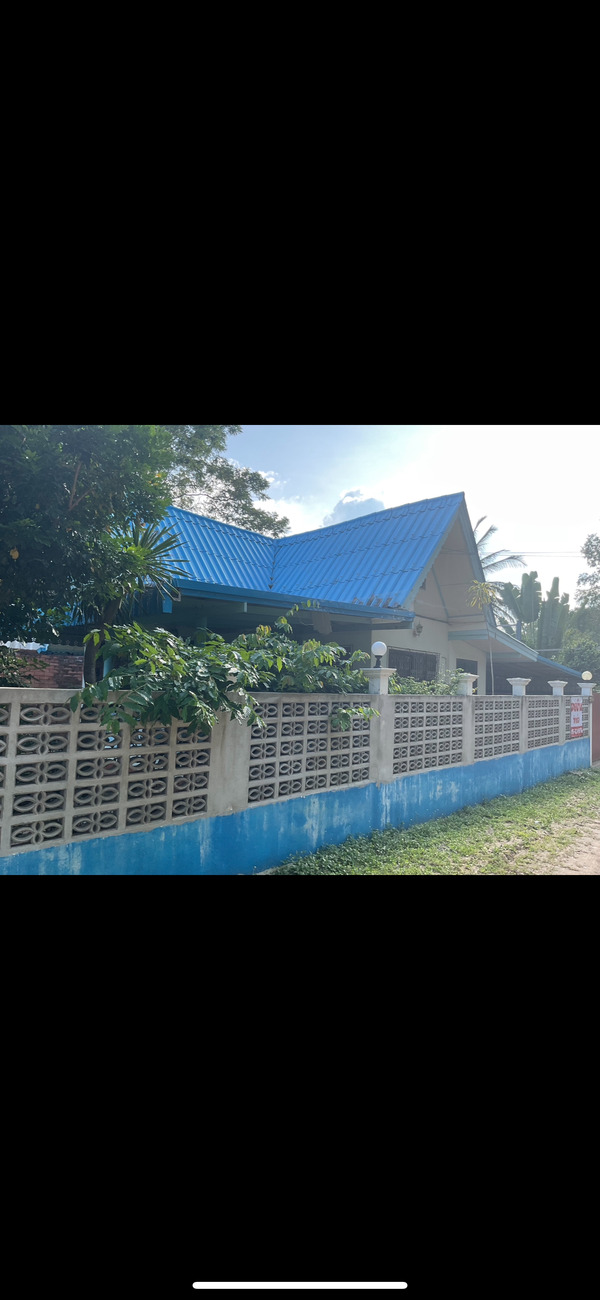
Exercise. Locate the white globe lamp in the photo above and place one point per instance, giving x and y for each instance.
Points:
(378, 649)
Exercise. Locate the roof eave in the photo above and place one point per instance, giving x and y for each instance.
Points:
(284, 600)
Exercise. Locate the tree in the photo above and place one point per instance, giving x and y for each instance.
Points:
(495, 561)
(580, 651)
(586, 618)
(125, 563)
(521, 605)
(552, 621)
(483, 596)
(203, 479)
(62, 486)
(588, 589)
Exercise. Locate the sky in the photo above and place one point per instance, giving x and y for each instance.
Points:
(538, 483)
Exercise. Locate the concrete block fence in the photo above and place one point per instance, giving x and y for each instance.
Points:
(77, 799)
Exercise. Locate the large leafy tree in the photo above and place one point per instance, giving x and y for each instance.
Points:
(64, 487)
(580, 650)
(588, 590)
(201, 477)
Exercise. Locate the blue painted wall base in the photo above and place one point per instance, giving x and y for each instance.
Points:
(262, 836)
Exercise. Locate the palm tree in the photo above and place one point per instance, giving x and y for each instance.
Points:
(127, 562)
(483, 596)
(497, 560)
(521, 605)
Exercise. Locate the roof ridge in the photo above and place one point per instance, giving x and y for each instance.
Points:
(359, 520)
(209, 519)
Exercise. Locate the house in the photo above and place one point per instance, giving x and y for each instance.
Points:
(400, 575)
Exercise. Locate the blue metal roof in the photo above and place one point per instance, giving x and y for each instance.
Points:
(220, 553)
(365, 564)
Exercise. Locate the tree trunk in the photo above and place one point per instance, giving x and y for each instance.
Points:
(89, 664)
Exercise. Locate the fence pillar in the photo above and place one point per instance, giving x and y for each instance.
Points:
(229, 766)
(382, 740)
(519, 684)
(523, 723)
(378, 679)
(469, 729)
(562, 719)
(558, 688)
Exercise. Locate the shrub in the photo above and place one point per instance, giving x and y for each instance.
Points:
(306, 667)
(409, 686)
(15, 671)
(157, 676)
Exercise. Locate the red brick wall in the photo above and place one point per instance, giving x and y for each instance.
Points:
(61, 673)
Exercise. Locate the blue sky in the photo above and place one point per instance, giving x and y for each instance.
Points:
(517, 475)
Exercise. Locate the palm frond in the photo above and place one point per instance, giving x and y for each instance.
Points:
(499, 560)
(481, 541)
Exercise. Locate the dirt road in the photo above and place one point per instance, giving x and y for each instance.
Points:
(583, 859)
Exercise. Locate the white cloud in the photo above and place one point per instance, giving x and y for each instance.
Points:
(351, 505)
(304, 513)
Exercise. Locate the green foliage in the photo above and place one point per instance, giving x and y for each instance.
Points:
(203, 479)
(521, 605)
(586, 618)
(553, 620)
(123, 563)
(305, 667)
(14, 670)
(409, 686)
(63, 487)
(581, 651)
(588, 589)
(157, 676)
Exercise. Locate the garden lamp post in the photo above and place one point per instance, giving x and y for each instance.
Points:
(378, 676)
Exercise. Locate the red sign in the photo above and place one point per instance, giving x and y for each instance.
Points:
(576, 719)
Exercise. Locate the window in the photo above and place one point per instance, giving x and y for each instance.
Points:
(412, 663)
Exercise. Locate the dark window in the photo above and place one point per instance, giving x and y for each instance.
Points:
(412, 663)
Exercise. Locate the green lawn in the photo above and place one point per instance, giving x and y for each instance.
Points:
(512, 835)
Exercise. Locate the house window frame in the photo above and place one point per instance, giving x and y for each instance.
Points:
(414, 655)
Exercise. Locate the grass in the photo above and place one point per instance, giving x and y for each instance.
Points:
(511, 835)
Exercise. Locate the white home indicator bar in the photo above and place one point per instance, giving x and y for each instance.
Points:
(300, 1286)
